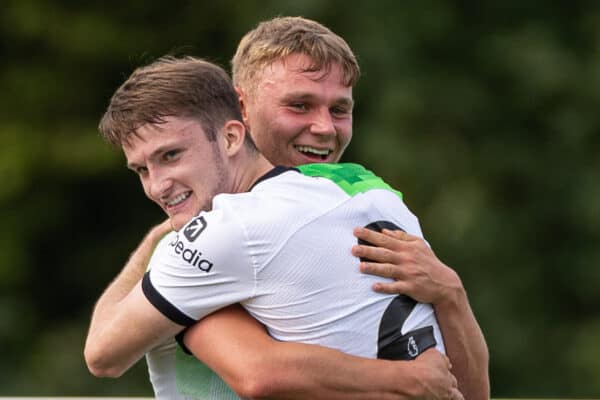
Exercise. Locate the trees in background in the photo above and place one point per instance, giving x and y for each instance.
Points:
(483, 115)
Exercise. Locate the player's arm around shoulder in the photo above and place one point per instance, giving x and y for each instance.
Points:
(256, 366)
(415, 270)
(122, 332)
(104, 324)
(187, 280)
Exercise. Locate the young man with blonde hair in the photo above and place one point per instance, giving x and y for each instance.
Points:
(179, 124)
(277, 111)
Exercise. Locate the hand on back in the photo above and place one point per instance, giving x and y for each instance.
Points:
(410, 262)
(433, 371)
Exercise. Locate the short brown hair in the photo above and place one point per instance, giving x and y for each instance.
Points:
(185, 87)
(281, 36)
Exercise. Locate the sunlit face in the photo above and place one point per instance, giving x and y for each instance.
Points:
(180, 169)
(298, 117)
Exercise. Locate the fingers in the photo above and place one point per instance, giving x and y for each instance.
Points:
(448, 363)
(392, 271)
(400, 235)
(373, 237)
(387, 239)
(377, 254)
(439, 383)
(158, 231)
(165, 226)
(397, 287)
(382, 266)
(389, 247)
(456, 394)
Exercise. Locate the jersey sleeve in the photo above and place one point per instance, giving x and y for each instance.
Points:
(200, 269)
(412, 223)
(404, 219)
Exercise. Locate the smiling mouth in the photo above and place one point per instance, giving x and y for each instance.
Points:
(178, 199)
(314, 152)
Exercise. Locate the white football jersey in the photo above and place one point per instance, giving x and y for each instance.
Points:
(283, 250)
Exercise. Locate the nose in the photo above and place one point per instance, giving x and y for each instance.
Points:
(157, 184)
(323, 123)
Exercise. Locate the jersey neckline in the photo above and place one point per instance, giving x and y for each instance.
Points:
(278, 170)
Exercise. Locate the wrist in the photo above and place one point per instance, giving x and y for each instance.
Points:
(453, 294)
(412, 383)
(404, 379)
(159, 231)
(140, 257)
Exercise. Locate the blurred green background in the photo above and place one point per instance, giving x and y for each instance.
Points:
(484, 114)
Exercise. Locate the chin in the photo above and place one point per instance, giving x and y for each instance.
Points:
(181, 218)
(176, 225)
(179, 222)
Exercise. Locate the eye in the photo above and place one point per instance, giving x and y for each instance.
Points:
(299, 106)
(340, 111)
(141, 170)
(170, 155)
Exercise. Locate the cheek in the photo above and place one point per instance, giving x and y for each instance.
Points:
(281, 137)
(146, 188)
(345, 132)
(271, 135)
(259, 125)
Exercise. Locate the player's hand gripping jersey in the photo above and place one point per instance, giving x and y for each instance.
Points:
(283, 250)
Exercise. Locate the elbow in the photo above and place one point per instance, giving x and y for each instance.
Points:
(99, 366)
(256, 384)
(253, 389)
(485, 384)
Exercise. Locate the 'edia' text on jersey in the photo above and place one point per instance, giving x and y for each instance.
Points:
(190, 256)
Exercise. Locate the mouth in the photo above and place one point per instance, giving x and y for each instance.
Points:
(314, 153)
(177, 200)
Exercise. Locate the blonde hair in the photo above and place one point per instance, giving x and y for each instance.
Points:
(279, 37)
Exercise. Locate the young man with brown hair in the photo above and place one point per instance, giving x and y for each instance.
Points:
(296, 99)
(179, 125)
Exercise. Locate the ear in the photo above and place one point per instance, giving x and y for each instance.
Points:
(233, 133)
(243, 99)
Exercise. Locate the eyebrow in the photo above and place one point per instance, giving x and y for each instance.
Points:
(307, 96)
(154, 154)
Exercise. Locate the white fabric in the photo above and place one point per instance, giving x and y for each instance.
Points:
(283, 251)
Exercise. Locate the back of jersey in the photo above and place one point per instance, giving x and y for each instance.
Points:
(310, 289)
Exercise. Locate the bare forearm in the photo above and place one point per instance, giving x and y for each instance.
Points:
(133, 270)
(302, 371)
(237, 348)
(132, 328)
(465, 345)
(418, 273)
(130, 275)
(308, 371)
(102, 324)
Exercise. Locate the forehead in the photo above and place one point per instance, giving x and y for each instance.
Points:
(296, 68)
(150, 138)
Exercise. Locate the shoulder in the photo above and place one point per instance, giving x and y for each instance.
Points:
(349, 177)
(287, 192)
(208, 240)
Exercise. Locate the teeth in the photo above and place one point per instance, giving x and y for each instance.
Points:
(178, 199)
(319, 152)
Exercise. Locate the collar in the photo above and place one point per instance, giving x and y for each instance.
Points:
(278, 170)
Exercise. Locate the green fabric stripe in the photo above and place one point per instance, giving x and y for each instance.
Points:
(195, 379)
(352, 178)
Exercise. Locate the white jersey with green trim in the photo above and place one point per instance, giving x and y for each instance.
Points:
(178, 376)
(283, 250)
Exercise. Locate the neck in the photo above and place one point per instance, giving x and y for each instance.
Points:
(249, 171)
